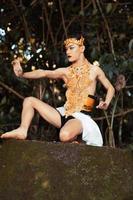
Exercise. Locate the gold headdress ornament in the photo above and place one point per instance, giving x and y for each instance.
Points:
(79, 42)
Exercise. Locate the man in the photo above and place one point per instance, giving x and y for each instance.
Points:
(73, 118)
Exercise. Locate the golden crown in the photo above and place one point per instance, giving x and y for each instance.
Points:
(79, 42)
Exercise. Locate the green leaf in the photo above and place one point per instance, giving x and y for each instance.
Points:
(109, 7)
(130, 46)
(4, 100)
(11, 109)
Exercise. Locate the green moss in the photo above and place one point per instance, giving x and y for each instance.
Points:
(53, 171)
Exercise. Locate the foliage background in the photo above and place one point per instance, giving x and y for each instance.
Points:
(35, 30)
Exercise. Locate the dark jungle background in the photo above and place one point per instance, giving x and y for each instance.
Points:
(35, 30)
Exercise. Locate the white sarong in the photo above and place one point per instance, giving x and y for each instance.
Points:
(91, 132)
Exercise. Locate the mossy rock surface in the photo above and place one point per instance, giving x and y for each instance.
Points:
(32, 170)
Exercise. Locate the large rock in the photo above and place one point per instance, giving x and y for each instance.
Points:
(31, 170)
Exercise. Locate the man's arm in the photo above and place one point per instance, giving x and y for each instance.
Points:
(108, 86)
(39, 73)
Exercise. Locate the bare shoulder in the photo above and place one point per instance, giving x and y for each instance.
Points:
(97, 69)
(66, 69)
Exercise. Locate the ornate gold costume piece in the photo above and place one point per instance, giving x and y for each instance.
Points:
(89, 103)
(79, 42)
(77, 88)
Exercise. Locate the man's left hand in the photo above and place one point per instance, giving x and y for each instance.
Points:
(102, 105)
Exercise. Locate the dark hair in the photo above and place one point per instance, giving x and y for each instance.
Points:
(77, 35)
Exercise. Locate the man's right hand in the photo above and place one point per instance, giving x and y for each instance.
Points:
(17, 67)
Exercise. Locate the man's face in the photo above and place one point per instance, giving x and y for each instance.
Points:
(73, 52)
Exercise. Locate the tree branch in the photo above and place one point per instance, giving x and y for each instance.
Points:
(62, 17)
(107, 27)
(129, 86)
(82, 14)
(25, 24)
(48, 23)
(116, 115)
(11, 90)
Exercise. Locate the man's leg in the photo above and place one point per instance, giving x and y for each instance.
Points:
(31, 104)
(70, 130)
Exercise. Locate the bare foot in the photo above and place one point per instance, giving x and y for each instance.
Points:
(19, 133)
(75, 142)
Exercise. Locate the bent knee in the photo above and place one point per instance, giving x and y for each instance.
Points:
(28, 100)
(65, 136)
